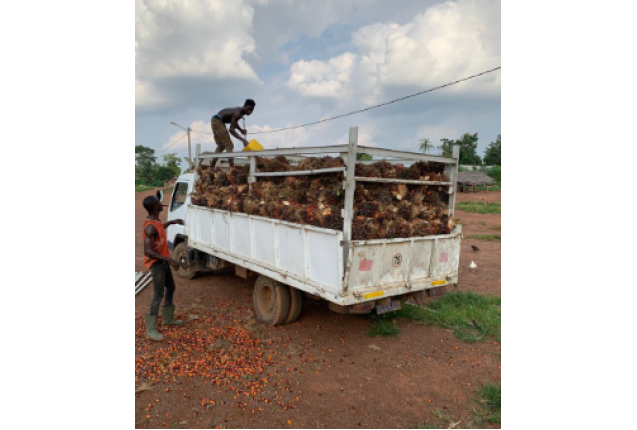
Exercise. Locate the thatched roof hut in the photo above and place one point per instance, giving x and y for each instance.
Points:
(477, 178)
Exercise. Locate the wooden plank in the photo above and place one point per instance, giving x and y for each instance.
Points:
(400, 181)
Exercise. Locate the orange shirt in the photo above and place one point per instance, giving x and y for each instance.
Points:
(160, 244)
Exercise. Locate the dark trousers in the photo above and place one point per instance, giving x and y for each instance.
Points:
(164, 285)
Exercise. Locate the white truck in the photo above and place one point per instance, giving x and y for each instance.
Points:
(294, 260)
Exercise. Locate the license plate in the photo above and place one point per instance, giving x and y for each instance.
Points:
(394, 306)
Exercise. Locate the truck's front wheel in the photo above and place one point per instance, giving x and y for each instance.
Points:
(271, 301)
(180, 254)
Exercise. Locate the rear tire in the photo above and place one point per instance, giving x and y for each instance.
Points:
(271, 301)
(296, 305)
(180, 253)
(343, 310)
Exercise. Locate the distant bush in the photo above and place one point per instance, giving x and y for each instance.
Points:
(496, 173)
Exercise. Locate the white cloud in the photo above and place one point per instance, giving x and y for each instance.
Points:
(298, 137)
(199, 135)
(447, 42)
(367, 135)
(319, 79)
(279, 22)
(205, 39)
(147, 95)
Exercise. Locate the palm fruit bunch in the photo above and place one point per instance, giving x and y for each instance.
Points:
(387, 211)
(381, 211)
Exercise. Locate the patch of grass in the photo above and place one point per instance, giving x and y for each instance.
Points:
(489, 397)
(491, 188)
(383, 327)
(495, 227)
(479, 207)
(139, 188)
(472, 317)
(485, 236)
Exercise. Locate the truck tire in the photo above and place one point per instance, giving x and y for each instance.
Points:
(343, 310)
(296, 305)
(180, 253)
(271, 301)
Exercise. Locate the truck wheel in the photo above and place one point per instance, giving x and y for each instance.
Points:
(343, 310)
(180, 254)
(271, 301)
(296, 305)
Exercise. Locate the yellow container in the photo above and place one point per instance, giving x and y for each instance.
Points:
(253, 145)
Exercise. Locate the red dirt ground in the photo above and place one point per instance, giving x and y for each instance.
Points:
(318, 372)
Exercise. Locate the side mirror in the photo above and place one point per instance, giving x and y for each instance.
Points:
(160, 195)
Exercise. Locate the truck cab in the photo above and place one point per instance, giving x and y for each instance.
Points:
(176, 234)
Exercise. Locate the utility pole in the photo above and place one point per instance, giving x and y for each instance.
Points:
(189, 153)
(190, 163)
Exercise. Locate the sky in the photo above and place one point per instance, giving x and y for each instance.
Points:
(304, 60)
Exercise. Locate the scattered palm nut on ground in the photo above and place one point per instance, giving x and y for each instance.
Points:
(381, 210)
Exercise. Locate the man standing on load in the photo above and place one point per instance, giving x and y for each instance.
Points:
(157, 259)
(229, 116)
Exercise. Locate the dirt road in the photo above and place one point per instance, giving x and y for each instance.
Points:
(223, 369)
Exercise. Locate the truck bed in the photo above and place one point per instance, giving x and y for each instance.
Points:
(312, 259)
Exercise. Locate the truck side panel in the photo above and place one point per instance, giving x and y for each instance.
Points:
(308, 254)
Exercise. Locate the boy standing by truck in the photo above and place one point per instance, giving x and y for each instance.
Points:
(229, 116)
(157, 258)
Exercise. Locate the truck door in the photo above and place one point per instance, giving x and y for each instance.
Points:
(177, 209)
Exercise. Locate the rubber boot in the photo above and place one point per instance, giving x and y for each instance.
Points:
(167, 313)
(151, 328)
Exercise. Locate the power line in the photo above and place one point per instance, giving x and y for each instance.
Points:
(173, 144)
(200, 132)
(371, 107)
(378, 105)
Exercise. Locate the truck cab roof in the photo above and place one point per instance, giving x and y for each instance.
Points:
(186, 177)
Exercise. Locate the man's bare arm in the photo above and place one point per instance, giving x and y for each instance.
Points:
(234, 124)
(175, 221)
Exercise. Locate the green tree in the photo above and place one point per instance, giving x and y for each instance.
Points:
(144, 155)
(145, 161)
(172, 161)
(447, 147)
(144, 174)
(468, 149)
(361, 156)
(496, 173)
(425, 145)
(492, 155)
(163, 173)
